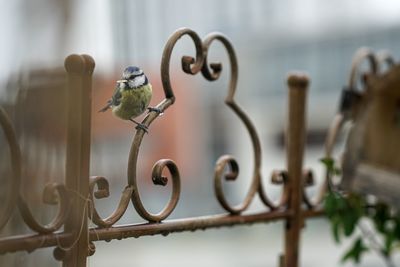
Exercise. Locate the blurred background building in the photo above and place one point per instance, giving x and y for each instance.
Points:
(271, 38)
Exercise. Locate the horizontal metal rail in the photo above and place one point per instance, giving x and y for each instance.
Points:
(30, 243)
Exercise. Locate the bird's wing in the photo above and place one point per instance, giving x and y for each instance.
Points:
(115, 99)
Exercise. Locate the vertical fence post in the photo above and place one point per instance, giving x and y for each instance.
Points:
(79, 71)
(295, 139)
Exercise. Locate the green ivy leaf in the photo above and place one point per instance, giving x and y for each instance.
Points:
(330, 204)
(358, 204)
(350, 220)
(342, 215)
(328, 162)
(351, 213)
(381, 216)
(355, 252)
(336, 227)
(330, 166)
(396, 230)
(345, 212)
(389, 242)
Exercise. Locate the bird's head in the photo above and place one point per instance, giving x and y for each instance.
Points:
(131, 72)
(134, 77)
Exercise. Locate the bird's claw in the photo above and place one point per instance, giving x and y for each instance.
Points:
(158, 110)
(141, 126)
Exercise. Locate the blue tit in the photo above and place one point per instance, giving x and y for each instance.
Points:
(131, 97)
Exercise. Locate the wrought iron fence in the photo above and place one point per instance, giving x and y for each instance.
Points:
(69, 232)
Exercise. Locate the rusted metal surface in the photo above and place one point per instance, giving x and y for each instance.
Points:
(376, 62)
(371, 159)
(211, 72)
(32, 242)
(79, 70)
(15, 155)
(191, 224)
(16, 198)
(76, 198)
(295, 140)
(344, 115)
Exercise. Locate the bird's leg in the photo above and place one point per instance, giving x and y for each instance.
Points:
(140, 126)
(159, 111)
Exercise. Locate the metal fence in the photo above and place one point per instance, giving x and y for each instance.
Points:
(69, 232)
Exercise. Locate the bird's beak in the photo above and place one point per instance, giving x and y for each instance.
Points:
(122, 81)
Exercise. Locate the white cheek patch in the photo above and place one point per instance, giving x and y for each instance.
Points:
(137, 81)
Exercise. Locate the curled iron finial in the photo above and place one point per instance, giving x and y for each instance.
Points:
(385, 58)
(309, 180)
(360, 56)
(157, 176)
(190, 65)
(278, 177)
(54, 193)
(103, 191)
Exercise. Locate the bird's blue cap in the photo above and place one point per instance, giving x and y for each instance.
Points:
(131, 71)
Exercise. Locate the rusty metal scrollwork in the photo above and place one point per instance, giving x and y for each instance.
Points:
(53, 193)
(341, 117)
(190, 66)
(62, 200)
(278, 177)
(211, 72)
(230, 101)
(384, 58)
(75, 243)
(102, 192)
(99, 187)
(228, 160)
(15, 153)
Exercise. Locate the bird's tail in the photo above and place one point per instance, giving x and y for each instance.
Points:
(106, 107)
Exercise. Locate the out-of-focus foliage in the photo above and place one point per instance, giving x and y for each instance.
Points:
(345, 212)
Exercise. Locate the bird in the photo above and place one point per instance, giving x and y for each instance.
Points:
(131, 96)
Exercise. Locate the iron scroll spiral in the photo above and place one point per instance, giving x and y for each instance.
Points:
(228, 160)
(103, 191)
(211, 72)
(15, 154)
(190, 66)
(341, 117)
(98, 186)
(53, 193)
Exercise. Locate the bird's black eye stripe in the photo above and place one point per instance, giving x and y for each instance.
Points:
(133, 76)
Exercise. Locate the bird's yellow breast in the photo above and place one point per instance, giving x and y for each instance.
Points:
(133, 102)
